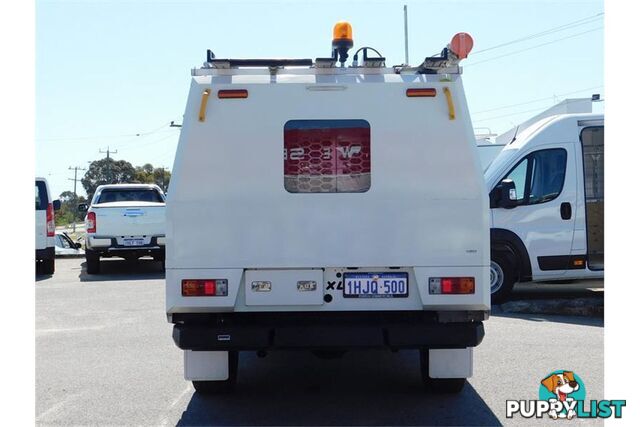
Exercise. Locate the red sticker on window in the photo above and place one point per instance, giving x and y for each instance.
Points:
(325, 156)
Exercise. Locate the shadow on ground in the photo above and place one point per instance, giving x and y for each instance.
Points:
(119, 269)
(533, 317)
(578, 302)
(41, 277)
(551, 290)
(362, 388)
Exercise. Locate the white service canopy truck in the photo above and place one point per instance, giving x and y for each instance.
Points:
(547, 203)
(328, 208)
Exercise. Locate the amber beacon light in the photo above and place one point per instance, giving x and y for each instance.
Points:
(342, 40)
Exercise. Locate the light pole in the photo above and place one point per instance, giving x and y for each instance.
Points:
(75, 170)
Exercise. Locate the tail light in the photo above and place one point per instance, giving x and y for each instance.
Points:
(51, 225)
(429, 92)
(452, 285)
(205, 288)
(233, 93)
(91, 222)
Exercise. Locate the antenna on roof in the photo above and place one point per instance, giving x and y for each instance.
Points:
(406, 37)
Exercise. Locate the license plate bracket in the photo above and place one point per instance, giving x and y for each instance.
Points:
(376, 285)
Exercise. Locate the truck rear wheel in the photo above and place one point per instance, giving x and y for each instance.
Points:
(93, 262)
(438, 385)
(224, 386)
(48, 266)
(502, 278)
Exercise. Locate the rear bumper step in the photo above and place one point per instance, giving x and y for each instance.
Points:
(264, 331)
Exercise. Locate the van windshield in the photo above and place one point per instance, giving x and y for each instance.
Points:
(130, 195)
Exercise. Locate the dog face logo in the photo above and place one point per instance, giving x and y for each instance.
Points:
(560, 386)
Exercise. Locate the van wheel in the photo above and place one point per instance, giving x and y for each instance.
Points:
(438, 385)
(93, 262)
(48, 266)
(219, 387)
(502, 278)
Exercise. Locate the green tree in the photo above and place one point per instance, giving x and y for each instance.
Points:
(107, 171)
(144, 174)
(68, 212)
(161, 178)
(147, 174)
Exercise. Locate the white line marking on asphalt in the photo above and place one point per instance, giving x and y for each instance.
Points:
(164, 420)
(56, 407)
(56, 330)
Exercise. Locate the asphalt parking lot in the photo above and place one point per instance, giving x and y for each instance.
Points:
(104, 356)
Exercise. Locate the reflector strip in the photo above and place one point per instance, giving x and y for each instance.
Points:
(203, 104)
(235, 93)
(452, 111)
(426, 92)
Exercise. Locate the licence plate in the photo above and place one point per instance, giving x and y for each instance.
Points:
(376, 285)
(133, 242)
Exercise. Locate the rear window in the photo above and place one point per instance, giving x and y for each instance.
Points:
(327, 156)
(130, 195)
(41, 196)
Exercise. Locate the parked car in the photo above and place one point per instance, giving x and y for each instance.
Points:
(45, 227)
(65, 246)
(126, 221)
(547, 203)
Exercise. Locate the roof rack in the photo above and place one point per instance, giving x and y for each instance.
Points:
(262, 62)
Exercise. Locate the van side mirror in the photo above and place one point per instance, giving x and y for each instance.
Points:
(504, 195)
(56, 205)
(83, 207)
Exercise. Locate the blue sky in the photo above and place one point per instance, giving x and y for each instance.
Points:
(107, 71)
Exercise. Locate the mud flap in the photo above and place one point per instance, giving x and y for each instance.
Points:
(451, 363)
(206, 365)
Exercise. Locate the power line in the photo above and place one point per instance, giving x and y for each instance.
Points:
(580, 22)
(537, 100)
(534, 47)
(149, 143)
(130, 135)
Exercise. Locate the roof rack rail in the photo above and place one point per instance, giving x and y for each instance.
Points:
(260, 62)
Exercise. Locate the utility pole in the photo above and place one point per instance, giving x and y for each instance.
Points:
(109, 178)
(75, 180)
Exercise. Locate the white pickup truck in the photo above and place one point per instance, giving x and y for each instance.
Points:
(126, 221)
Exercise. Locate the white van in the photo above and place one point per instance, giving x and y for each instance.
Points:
(547, 203)
(45, 228)
(327, 208)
